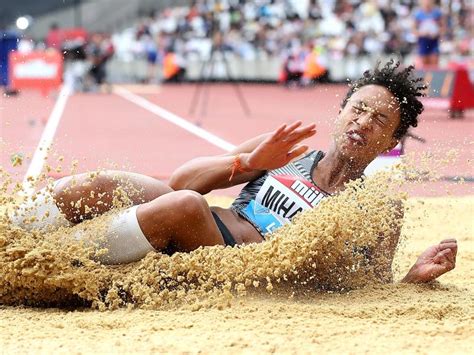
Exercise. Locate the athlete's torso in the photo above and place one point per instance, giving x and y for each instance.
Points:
(279, 195)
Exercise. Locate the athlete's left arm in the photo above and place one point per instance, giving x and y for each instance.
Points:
(384, 251)
(435, 261)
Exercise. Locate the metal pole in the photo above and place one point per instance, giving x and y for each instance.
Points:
(77, 13)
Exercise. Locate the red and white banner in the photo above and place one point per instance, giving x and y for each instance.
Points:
(40, 70)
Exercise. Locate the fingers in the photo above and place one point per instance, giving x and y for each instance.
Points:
(279, 131)
(449, 244)
(293, 126)
(290, 130)
(284, 130)
(443, 246)
(301, 134)
(297, 151)
(445, 259)
(448, 254)
(449, 240)
(294, 133)
(303, 129)
(290, 134)
(451, 256)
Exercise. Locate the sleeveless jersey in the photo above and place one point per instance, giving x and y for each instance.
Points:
(276, 197)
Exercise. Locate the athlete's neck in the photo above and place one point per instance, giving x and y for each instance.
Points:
(334, 170)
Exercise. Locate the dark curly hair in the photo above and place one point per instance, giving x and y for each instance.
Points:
(402, 85)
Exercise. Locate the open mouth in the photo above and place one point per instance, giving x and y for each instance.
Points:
(356, 137)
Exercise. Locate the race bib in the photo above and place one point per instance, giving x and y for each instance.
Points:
(280, 198)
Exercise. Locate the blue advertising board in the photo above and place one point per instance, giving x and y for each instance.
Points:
(8, 43)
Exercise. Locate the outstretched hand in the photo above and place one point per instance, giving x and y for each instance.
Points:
(280, 147)
(434, 262)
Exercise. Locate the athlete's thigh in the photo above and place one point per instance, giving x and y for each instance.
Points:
(140, 188)
(84, 196)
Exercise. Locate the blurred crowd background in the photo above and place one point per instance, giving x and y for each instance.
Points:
(297, 42)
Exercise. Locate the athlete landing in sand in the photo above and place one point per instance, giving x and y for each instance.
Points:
(374, 116)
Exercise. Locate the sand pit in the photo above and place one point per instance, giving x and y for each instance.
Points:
(427, 318)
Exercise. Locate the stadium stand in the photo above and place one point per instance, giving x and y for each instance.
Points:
(263, 40)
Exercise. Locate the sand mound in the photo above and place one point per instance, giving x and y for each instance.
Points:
(385, 318)
(311, 286)
(326, 248)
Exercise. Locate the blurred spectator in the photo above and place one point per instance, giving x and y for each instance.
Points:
(99, 51)
(294, 66)
(174, 67)
(150, 45)
(258, 29)
(428, 28)
(54, 38)
(304, 66)
(262, 29)
(315, 68)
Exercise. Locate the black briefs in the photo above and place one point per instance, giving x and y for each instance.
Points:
(228, 238)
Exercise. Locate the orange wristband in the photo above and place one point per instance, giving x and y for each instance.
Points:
(237, 167)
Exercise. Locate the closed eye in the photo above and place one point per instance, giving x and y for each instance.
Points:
(380, 121)
(360, 109)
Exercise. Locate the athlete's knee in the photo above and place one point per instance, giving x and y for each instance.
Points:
(181, 205)
(191, 203)
(170, 211)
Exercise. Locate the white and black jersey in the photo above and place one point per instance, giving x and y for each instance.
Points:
(276, 197)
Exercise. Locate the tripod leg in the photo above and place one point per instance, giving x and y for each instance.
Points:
(242, 100)
(236, 86)
(206, 90)
(198, 89)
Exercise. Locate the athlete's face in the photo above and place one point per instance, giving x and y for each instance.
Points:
(366, 125)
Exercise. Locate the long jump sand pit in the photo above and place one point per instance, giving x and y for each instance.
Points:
(434, 318)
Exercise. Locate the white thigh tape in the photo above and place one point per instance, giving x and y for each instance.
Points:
(124, 239)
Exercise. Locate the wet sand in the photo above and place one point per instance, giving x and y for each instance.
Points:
(431, 318)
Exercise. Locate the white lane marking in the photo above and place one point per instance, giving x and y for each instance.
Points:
(42, 150)
(175, 119)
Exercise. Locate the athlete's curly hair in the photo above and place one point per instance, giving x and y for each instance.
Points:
(402, 84)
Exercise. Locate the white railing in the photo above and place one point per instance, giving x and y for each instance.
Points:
(268, 69)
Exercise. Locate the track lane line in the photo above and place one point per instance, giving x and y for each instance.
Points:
(41, 153)
(174, 119)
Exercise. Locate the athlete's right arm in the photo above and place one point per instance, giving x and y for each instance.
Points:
(267, 151)
(205, 174)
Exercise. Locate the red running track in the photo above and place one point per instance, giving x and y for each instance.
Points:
(105, 130)
(22, 120)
